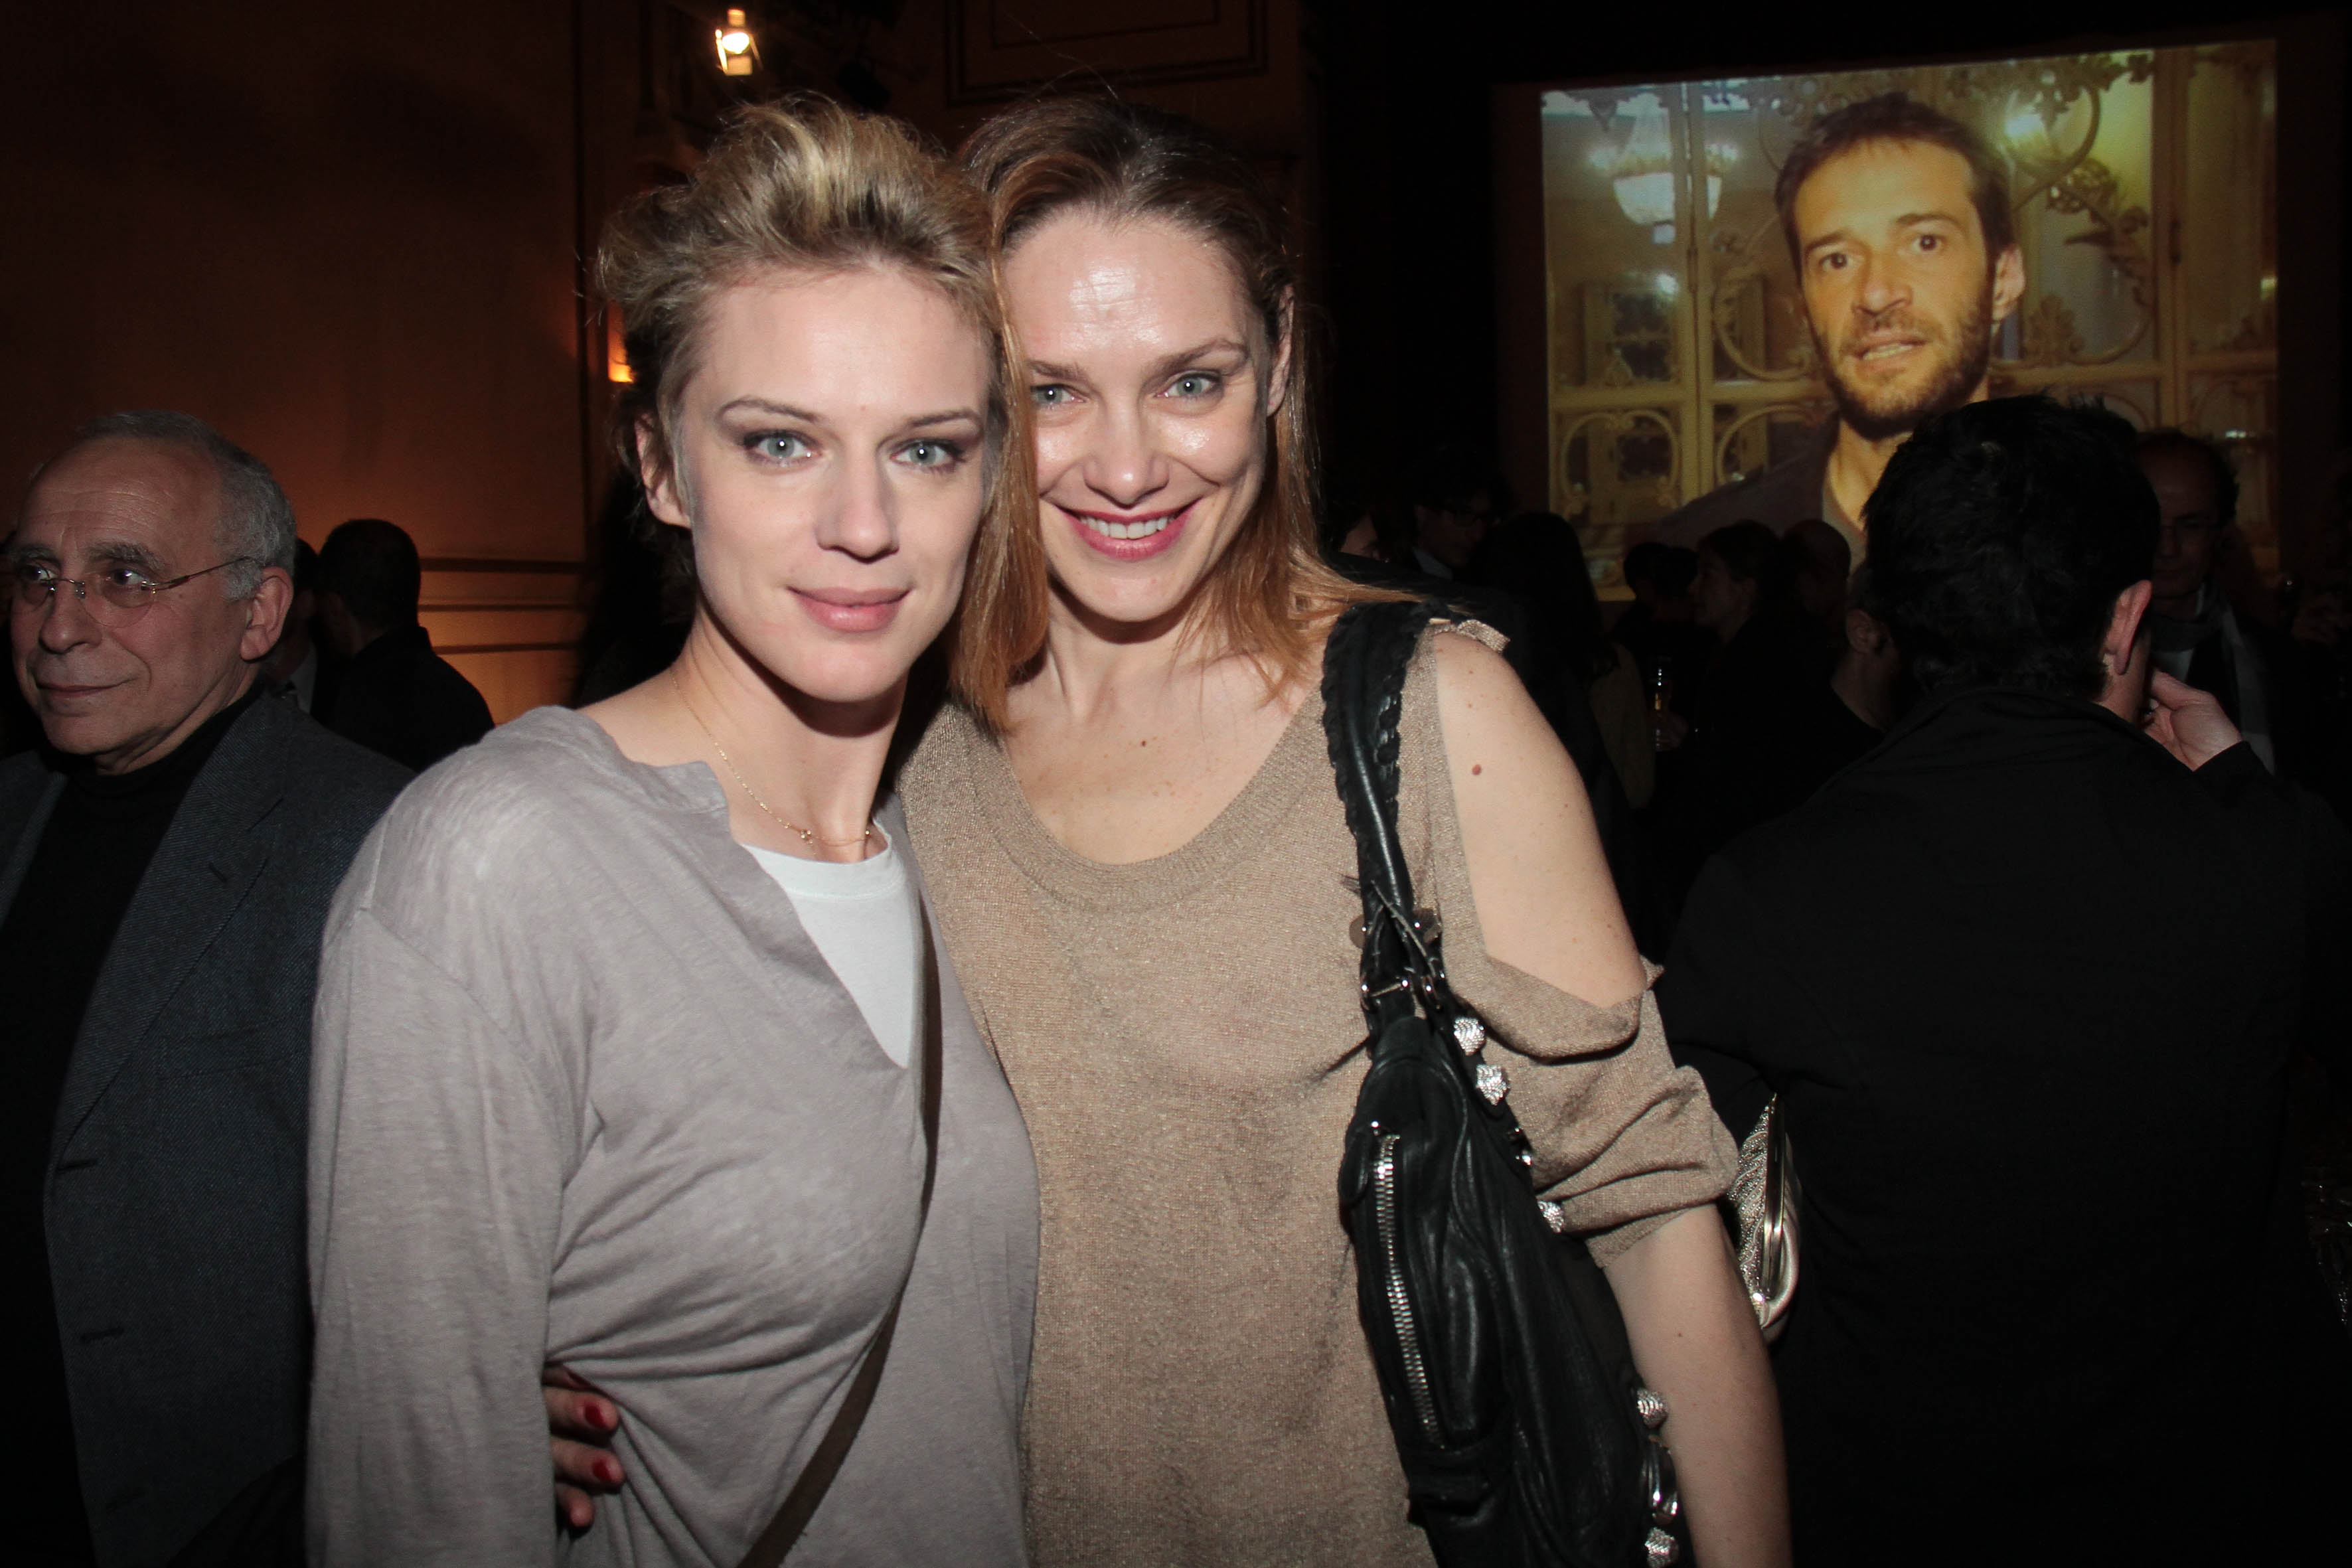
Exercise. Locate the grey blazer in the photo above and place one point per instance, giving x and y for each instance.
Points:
(174, 1197)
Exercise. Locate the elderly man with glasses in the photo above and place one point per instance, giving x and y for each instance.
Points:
(166, 860)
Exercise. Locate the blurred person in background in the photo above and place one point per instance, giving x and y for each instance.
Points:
(1537, 557)
(2199, 637)
(1819, 563)
(2027, 980)
(1587, 688)
(1455, 500)
(1851, 712)
(2317, 610)
(291, 671)
(1382, 530)
(392, 692)
(643, 600)
(1733, 765)
(1520, 581)
(1657, 628)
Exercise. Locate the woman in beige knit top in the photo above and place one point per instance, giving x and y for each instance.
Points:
(1141, 868)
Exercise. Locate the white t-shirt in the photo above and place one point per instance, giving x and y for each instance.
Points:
(862, 916)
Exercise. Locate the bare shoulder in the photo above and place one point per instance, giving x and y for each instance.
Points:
(1503, 757)
(1477, 685)
(1546, 904)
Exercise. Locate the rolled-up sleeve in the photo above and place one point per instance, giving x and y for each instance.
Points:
(1623, 1139)
(438, 1144)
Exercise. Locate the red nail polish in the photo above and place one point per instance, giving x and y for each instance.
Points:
(609, 1472)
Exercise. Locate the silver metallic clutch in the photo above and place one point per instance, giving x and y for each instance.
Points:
(1764, 1197)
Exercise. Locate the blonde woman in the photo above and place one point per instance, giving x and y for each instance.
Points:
(621, 1032)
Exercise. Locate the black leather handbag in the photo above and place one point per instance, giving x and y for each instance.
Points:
(1527, 1438)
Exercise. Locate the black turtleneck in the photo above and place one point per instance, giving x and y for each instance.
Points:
(53, 939)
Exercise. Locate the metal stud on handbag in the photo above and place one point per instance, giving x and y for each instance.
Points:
(1525, 1437)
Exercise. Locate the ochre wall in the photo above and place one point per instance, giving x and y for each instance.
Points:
(344, 234)
(350, 237)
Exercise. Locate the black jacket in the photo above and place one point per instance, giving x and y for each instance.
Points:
(399, 697)
(2028, 989)
(174, 1200)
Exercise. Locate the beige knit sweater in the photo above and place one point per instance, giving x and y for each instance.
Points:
(1182, 1035)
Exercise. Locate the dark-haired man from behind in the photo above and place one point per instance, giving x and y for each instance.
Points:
(166, 860)
(2027, 979)
(1897, 218)
(392, 694)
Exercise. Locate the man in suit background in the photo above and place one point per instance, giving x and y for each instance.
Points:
(2027, 979)
(2201, 636)
(166, 860)
(392, 693)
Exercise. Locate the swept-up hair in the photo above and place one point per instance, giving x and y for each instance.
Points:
(807, 185)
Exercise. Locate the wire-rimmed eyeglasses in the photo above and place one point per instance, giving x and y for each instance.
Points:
(123, 593)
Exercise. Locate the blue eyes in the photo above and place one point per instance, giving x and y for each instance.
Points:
(777, 446)
(783, 447)
(932, 455)
(1192, 384)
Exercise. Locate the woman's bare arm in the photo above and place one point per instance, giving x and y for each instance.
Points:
(1695, 1339)
(1546, 905)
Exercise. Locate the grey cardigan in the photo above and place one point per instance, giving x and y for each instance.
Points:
(174, 1197)
(586, 1092)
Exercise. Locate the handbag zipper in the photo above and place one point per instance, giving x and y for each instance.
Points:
(1416, 1375)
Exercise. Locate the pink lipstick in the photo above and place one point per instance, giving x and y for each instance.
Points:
(1124, 536)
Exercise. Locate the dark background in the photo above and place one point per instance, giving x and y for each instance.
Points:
(355, 236)
(1426, 211)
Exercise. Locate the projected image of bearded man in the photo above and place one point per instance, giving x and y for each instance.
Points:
(1897, 218)
(1906, 255)
(1899, 288)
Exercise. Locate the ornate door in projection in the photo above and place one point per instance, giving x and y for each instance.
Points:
(1679, 355)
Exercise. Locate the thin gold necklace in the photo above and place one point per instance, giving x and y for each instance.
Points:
(807, 835)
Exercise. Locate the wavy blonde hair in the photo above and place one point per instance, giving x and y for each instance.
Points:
(807, 185)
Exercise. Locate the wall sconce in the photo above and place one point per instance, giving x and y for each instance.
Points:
(739, 51)
(616, 349)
